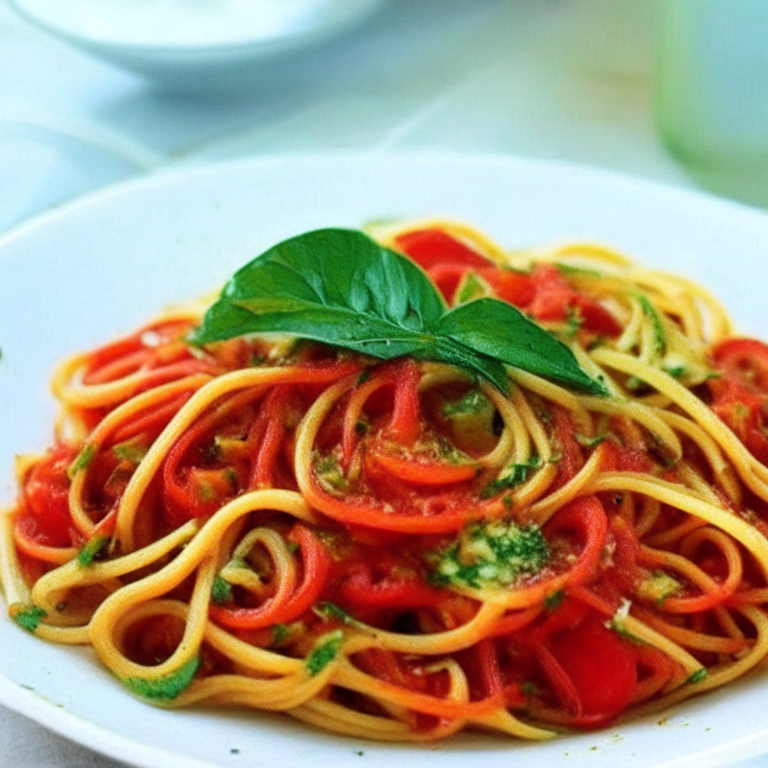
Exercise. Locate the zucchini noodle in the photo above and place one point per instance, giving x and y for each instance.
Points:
(395, 550)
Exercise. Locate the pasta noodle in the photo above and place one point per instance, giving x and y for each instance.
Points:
(398, 549)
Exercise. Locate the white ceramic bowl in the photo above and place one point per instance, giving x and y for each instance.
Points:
(194, 44)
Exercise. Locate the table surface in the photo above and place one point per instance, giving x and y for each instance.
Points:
(564, 79)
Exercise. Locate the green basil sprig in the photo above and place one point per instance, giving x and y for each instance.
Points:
(340, 287)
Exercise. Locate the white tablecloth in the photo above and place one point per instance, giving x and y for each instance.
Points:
(567, 79)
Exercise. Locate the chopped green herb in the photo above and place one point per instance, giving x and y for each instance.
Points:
(491, 554)
(596, 343)
(569, 269)
(130, 451)
(332, 612)
(659, 337)
(473, 402)
(84, 458)
(324, 653)
(529, 688)
(518, 475)
(165, 688)
(658, 586)
(697, 676)
(676, 372)
(365, 374)
(573, 323)
(330, 473)
(92, 549)
(280, 634)
(221, 591)
(555, 600)
(29, 618)
(589, 442)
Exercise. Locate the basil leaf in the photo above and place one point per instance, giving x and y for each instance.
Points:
(340, 287)
(503, 332)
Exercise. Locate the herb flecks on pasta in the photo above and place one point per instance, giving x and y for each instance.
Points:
(403, 483)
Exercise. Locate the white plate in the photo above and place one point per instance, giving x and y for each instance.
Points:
(96, 268)
(194, 43)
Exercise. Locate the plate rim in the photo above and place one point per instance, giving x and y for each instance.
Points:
(117, 746)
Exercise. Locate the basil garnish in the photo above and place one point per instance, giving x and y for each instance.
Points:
(342, 288)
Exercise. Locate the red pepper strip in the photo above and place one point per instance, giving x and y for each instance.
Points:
(31, 540)
(163, 374)
(405, 425)
(273, 412)
(562, 685)
(488, 662)
(564, 618)
(183, 503)
(586, 516)
(106, 526)
(280, 610)
(571, 457)
(124, 356)
(451, 512)
(710, 598)
(381, 377)
(419, 471)
(516, 621)
(151, 421)
(118, 368)
(589, 598)
(661, 667)
(100, 360)
(428, 247)
(359, 588)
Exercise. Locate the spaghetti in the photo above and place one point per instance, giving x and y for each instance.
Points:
(398, 549)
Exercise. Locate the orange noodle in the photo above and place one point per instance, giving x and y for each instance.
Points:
(399, 549)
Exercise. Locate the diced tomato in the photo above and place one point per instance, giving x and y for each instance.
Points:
(571, 456)
(746, 359)
(361, 589)
(740, 395)
(514, 287)
(745, 413)
(555, 299)
(47, 494)
(429, 247)
(600, 664)
(624, 458)
(447, 278)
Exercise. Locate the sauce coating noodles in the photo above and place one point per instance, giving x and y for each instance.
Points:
(395, 550)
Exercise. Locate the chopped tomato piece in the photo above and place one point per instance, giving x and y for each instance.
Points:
(746, 359)
(47, 493)
(555, 299)
(514, 287)
(429, 247)
(601, 666)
